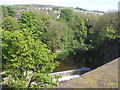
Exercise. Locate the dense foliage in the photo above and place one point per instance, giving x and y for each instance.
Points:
(22, 53)
(66, 15)
(8, 11)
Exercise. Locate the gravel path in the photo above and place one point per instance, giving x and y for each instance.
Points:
(105, 76)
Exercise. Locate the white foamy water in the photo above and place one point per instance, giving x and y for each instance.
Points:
(69, 74)
(66, 78)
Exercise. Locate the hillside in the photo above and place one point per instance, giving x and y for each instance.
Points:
(105, 76)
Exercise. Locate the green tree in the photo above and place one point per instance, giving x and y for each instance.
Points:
(10, 24)
(109, 33)
(4, 11)
(108, 19)
(68, 40)
(11, 11)
(55, 32)
(22, 53)
(66, 15)
(30, 21)
(100, 36)
(81, 31)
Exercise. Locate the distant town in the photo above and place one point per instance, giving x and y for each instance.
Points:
(54, 11)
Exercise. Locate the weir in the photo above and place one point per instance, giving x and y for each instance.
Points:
(69, 74)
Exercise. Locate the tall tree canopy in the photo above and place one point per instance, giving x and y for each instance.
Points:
(66, 15)
(4, 11)
(30, 21)
(11, 11)
(21, 53)
(10, 24)
(55, 32)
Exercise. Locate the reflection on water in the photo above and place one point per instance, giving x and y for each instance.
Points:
(65, 66)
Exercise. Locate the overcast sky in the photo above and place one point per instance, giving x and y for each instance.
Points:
(86, 4)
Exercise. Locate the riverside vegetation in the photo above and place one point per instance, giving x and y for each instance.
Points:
(32, 42)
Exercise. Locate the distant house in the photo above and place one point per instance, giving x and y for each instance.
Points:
(54, 15)
(58, 16)
(24, 10)
(92, 12)
(39, 8)
(18, 14)
(76, 10)
(50, 9)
